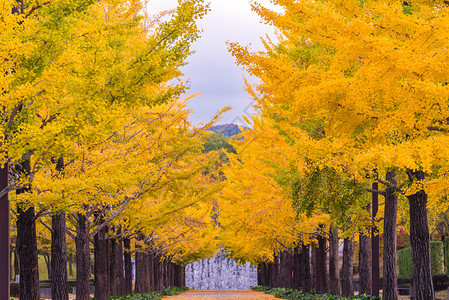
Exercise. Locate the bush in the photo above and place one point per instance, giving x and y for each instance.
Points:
(299, 295)
(436, 259)
(152, 295)
(446, 254)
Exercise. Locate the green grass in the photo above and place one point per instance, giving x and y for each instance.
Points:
(43, 273)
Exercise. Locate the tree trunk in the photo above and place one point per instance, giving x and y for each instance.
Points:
(276, 273)
(147, 280)
(27, 250)
(16, 262)
(334, 274)
(347, 283)
(320, 265)
(128, 267)
(140, 270)
(286, 270)
(11, 251)
(47, 264)
(390, 273)
(157, 272)
(82, 258)
(70, 264)
(151, 275)
(420, 243)
(117, 279)
(364, 264)
(304, 268)
(59, 285)
(101, 262)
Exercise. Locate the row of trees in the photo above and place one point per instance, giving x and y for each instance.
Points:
(350, 93)
(98, 142)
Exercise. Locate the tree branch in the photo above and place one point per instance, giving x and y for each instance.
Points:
(376, 192)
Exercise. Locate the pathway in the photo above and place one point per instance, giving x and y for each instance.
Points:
(222, 294)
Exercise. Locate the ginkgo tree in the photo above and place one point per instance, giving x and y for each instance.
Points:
(374, 72)
(81, 66)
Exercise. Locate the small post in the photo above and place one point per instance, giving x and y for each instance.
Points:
(4, 236)
(375, 275)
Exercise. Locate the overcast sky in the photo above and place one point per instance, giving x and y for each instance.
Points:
(212, 70)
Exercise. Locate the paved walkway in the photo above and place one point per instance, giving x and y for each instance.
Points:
(222, 294)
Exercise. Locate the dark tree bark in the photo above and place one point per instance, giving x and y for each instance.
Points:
(70, 264)
(112, 267)
(304, 268)
(347, 283)
(286, 270)
(147, 278)
(276, 275)
(117, 279)
(128, 266)
(82, 258)
(157, 272)
(313, 263)
(183, 275)
(390, 273)
(334, 274)
(27, 250)
(101, 262)
(59, 285)
(139, 286)
(11, 251)
(320, 265)
(420, 243)
(151, 275)
(364, 264)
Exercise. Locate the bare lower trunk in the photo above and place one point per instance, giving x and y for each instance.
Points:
(334, 276)
(27, 250)
(101, 261)
(70, 264)
(140, 270)
(321, 282)
(82, 258)
(47, 264)
(304, 265)
(117, 279)
(364, 264)
(347, 285)
(420, 243)
(128, 267)
(390, 291)
(59, 285)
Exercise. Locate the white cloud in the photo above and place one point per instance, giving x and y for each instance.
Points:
(212, 69)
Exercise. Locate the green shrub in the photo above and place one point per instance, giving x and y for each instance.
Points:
(299, 295)
(152, 295)
(405, 262)
(446, 254)
(436, 259)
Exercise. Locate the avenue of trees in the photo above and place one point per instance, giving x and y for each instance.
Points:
(101, 155)
(350, 93)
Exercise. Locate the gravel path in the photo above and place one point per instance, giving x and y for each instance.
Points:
(222, 294)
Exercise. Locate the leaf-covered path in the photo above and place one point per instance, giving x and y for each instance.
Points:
(222, 294)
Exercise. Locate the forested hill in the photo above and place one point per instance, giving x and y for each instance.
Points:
(227, 129)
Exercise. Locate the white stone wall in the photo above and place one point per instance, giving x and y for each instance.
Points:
(220, 273)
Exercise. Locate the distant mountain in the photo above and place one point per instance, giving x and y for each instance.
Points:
(227, 129)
